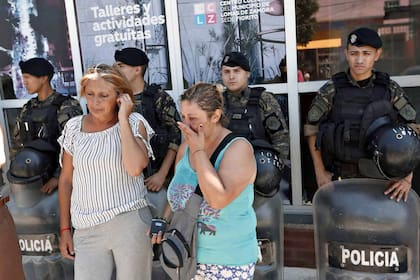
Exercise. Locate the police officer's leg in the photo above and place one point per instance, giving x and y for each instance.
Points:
(10, 257)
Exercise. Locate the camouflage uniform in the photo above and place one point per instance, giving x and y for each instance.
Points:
(272, 118)
(68, 109)
(324, 101)
(167, 116)
(320, 112)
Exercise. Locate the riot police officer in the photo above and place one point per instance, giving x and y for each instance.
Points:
(347, 106)
(265, 120)
(44, 116)
(256, 114)
(160, 111)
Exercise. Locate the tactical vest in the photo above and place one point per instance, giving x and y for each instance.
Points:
(246, 121)
(41, 122)
(145, 104)
(341, 135)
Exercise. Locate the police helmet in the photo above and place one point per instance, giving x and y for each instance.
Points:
(31, 168)
(35, 159)
(269, 171)
(395, 150)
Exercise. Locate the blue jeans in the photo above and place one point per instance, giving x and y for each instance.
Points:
(122, 242)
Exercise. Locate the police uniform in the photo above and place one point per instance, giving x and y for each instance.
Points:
(43, 119)
(158, 108)
(344, 109)
(270, 125)
(271, 115)
(163, 116)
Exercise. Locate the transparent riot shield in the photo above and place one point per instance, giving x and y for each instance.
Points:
(37, 227)
(361, 234)
(270, 222)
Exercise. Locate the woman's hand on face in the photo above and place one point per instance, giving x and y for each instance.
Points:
(125, 105)
(195, 140)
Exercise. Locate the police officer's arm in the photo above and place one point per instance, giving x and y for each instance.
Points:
(64, 195)
(406, 111)
(320, 107)
(323, 176)
(155, 182)
(168, 116)
(275, 124)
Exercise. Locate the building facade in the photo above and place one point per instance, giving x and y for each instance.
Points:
(186, 40)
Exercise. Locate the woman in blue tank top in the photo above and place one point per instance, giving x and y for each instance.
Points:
(227, 243)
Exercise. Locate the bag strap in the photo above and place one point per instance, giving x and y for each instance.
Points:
(177, 251)
(215, 154)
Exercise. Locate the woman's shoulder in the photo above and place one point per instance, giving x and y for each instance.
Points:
(239, 141)
(136, 118)
(74, 123)
(236, 147)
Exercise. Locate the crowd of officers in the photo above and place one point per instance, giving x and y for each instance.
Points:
(340, 100)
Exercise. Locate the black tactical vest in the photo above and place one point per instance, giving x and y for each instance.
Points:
(246, 121)
(145, 104)
(41, 123)
(341, 135)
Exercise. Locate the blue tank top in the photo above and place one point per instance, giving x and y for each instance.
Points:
(225, 236)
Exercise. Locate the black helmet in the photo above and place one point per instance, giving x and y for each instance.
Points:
(35, 159)
(395, 150)
(269, 170)
(32, 167)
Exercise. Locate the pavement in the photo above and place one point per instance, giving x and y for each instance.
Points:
(299, 273)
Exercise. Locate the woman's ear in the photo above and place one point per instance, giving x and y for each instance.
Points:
(217, 115)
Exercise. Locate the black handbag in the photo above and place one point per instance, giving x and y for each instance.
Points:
(178, 255)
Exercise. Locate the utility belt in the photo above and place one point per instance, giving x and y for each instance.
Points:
(4, 200)
(343, 170)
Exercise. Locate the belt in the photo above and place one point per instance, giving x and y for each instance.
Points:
(4, 200)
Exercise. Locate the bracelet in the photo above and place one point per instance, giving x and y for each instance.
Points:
(196, 151)
(64, 229)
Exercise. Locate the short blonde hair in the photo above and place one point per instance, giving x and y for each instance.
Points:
(109, 74)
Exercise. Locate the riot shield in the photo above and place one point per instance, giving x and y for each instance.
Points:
(270, 222)
(37, 227)
(362, 234)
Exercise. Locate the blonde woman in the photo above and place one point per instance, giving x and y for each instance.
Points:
(101, 187)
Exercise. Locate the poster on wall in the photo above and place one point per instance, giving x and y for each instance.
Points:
(26, 33)
(209, 29)
(107, 25)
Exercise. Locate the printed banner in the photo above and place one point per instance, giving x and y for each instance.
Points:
(209, 29)
(107, 25)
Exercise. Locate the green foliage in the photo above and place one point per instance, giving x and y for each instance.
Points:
(306, 24)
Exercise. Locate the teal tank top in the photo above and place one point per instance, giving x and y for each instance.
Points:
(225, 236)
